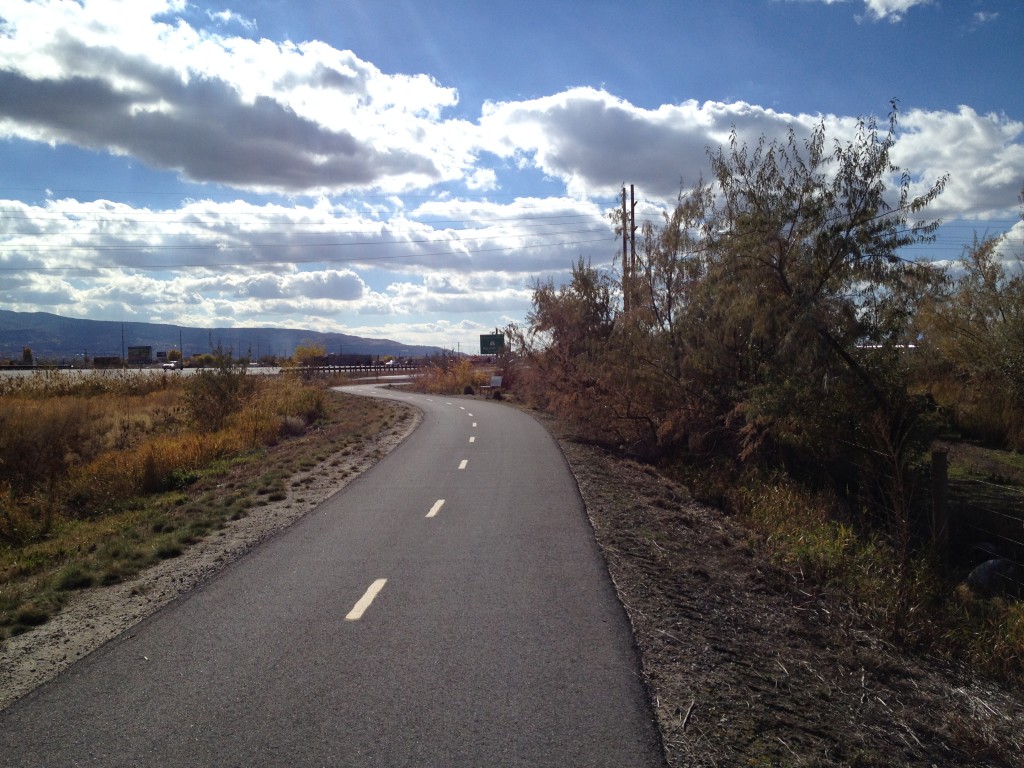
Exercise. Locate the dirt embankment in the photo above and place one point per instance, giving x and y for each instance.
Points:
(744, 668)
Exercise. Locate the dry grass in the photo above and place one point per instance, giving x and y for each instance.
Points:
(450, 378)
(97, 482)
(911, 603)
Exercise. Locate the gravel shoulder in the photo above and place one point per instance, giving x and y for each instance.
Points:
(743, 668)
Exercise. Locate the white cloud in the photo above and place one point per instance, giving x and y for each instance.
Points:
(252, 114)
(594, 141)
(321, 266)
(228, 17)
(881, 10)
(891, 10)
(983, 155)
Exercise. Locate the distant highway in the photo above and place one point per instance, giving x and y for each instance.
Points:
(447, 608)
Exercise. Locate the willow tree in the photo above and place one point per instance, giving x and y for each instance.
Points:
(815, 287)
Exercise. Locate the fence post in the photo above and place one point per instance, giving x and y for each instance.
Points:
(940, 508)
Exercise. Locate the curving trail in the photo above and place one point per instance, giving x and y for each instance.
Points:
(448, 608)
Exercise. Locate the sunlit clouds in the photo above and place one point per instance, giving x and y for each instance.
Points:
(319, 190)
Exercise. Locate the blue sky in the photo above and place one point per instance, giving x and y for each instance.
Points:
(407, 169)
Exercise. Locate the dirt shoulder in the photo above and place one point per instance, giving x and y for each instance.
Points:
(742, 668)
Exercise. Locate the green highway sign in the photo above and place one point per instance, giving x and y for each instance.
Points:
(492, 343)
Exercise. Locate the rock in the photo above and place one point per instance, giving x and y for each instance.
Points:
(997, 576)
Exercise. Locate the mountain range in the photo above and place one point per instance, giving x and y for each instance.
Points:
(57, 339)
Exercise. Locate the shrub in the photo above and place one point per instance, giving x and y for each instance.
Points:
(444, 377)
(213, 396)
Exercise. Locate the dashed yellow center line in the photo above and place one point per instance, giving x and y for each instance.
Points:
(364, 602)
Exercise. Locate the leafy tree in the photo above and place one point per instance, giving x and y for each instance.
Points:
(569, 328)
(769, 321)
(307, 353)
(814, 293)
(975, 325)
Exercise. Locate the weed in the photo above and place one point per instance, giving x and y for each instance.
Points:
(908, 600)
(31, 615)
(168, 549)
(74, 576)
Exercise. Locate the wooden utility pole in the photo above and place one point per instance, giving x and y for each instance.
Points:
(628, 242)
(632, 233)
(625, 256)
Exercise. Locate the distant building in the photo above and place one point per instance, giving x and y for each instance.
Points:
(140, 355)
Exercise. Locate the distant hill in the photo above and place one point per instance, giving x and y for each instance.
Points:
(62, 339)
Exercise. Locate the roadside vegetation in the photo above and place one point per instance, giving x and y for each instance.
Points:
(448, 376)
(778, 347)
(102, 475)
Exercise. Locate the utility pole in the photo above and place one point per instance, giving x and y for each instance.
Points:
(628, 259)
(632, 234)
(625, 256)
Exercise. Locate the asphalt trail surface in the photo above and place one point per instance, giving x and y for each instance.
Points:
(448, 608)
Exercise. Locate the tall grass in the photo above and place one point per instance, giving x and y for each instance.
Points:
(152, 477)
(71, 448)
(49, 383)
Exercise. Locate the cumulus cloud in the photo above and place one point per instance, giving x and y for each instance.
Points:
(891, 10)
(251, 114)
(983, 155)
(594, 141)
(138, 80)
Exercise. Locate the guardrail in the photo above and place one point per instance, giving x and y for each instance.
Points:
(367, 368)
